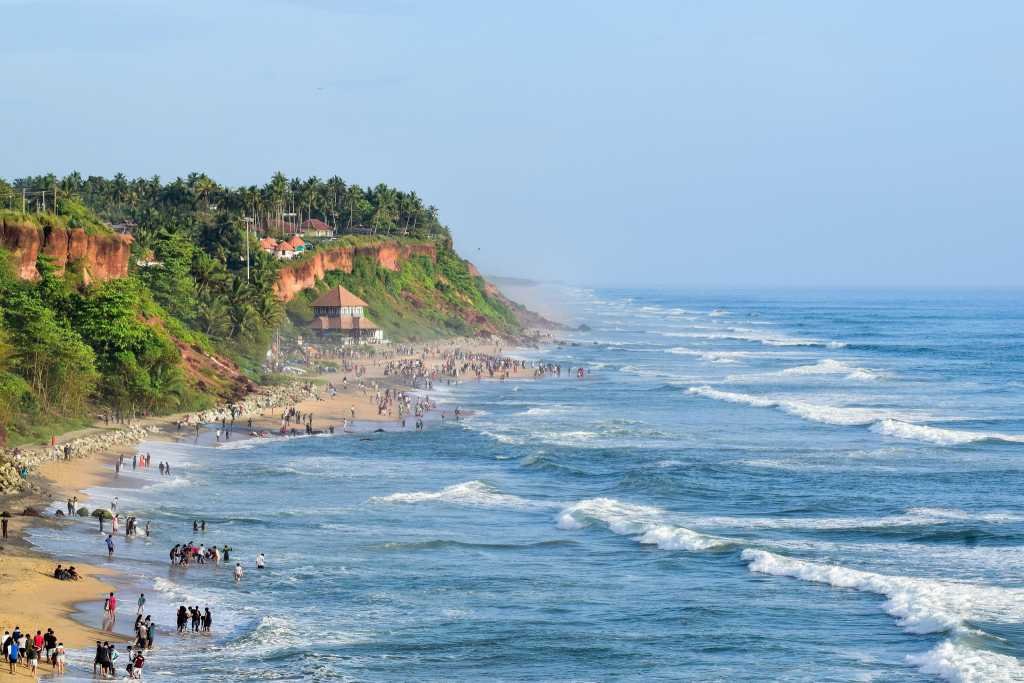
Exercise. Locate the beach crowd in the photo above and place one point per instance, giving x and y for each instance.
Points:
(20, 647)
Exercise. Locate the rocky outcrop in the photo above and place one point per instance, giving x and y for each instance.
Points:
(101, 257)
(295, 277)
(255, 403)
(15, 460)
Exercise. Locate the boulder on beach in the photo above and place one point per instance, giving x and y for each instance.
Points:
(31, 512)
(83, 512)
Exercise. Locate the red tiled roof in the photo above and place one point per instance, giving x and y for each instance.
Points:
(315, 224)
(343, 322)
(268, 243)
(296, 241)
(338, 296)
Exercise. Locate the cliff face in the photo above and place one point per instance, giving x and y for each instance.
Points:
(103, 257)
(293, 278)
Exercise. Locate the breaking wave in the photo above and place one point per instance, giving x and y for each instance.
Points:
(646, 524)
(830, 366)
(471, 493)
(884, 422)
(758, 336)
(939, 435)
(921, 606)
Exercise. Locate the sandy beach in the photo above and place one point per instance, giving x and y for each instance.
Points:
(33, 599)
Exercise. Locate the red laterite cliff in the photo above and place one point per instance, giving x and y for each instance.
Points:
(101, 257)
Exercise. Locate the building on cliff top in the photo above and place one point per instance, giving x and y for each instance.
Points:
(314, 227)
(338, 313)
(283, 249)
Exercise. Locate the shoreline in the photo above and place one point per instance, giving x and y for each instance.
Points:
(31, 600)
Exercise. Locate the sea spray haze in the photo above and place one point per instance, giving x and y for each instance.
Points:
(815, 487)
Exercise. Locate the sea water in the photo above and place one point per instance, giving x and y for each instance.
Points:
(744, 486)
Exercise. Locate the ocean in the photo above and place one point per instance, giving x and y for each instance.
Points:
(790, 486)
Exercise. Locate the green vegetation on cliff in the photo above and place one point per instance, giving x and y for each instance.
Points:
(67, 349)
(197, 311)
(421, 300)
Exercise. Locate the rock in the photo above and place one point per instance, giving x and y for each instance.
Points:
(31, 512)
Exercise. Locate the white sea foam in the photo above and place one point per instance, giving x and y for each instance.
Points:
(716, 356)
(960, 663)
(830, 366)
(273, 633)
(678, 538)
(500, 437)
(963, 515)
(576, 437)
(172, 483)
(884, 421)
(547, 410)
(835, 415)
(733, 397)
(471, 493)
(921, 606)
(759, 336)
(622, 518)
(647, 524)
(941, 436)
(911, 517)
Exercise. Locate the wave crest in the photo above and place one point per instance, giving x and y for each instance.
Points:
(645, 523)
(472, 493)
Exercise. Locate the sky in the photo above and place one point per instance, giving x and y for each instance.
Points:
(680, 144)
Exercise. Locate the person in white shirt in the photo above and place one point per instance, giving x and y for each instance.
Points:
(260, 561)
(238, 572)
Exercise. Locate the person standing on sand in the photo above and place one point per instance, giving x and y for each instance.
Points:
(12, 654)
(4, 519)
(32, 655)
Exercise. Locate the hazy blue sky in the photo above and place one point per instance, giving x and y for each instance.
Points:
(711, 143)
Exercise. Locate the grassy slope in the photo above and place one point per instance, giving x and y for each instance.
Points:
(422, 300)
